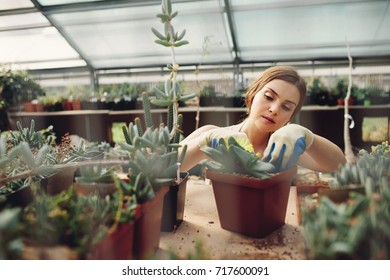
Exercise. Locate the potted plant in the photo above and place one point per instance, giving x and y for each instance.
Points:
(355, 228)
(317, 92)
(208, 96)
(155, 148)
(119, 243)
(11, 245)
(95, 179)
(16, 88)
(64, 226)
(364, 176)
(250, 199)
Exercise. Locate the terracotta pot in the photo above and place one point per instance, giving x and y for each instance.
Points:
(59, 182)
(28, 107)
(310, 189)
(173, 209)
(67, 105)
(340, 195)
(117, 245)
(76, 105)
(39, 107)
(147, 230)
(251, 206)
(102, 189)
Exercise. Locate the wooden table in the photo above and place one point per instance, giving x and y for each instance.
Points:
(201, 225)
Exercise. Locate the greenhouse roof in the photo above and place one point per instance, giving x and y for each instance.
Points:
(107, 35)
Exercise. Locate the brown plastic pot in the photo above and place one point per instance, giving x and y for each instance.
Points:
(59, 182)
(117, 245)
(147, 229)
(251, 206)
(173, 209)
(340, 195)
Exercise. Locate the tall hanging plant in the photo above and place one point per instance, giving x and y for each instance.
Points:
(172, 94)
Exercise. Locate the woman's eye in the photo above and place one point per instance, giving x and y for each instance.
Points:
(286, 108)
(268, 97)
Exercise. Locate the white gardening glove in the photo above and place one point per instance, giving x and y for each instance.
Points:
(211, 137)
(286, 145)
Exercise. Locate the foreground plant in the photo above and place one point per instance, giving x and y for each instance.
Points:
(358, 228)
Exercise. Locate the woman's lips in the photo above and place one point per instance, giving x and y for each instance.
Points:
(269, 120)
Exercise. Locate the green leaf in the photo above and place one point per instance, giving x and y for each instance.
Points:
(143, 142)
(164, 18)
(3, 145)
(181, 43)
(188, 96)
(174, 14)
(159, 93)
(127, 147)
(41, 155)
(161, 102)
(181, 36)
(163, 43)
(46, 171)
(27, 155)
(158, 34)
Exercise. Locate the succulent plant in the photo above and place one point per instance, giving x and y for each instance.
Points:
(11, 245)
(67, 219)
(96, 174)
(172, 93)
(230, 157)
(154, 159)
(372, 170)
(358, 228)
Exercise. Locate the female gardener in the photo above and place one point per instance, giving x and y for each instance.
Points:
(272, 101)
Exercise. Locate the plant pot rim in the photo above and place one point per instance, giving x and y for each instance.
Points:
(248, 181)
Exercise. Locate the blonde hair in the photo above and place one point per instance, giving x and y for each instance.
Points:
(285, 73)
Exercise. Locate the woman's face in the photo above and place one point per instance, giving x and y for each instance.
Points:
(273, 105)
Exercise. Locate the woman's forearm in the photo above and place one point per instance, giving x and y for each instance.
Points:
(322, 156)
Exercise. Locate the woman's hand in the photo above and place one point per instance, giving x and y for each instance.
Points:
(286, 145)
(210, 138)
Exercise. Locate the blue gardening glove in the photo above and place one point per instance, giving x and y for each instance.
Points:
(210, 138)
(286, 145)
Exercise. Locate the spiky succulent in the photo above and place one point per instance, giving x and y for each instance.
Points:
(230, 157)
(372, 170)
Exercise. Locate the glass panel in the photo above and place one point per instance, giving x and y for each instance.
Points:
(15, 4)
(34, 46)
(60, 2)
(323, 29)
(124, 37)
(19, 20)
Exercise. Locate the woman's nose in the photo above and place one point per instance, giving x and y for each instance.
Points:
(274, 108)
